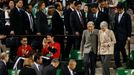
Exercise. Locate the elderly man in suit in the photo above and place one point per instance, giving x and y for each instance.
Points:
(122, 30)
(89, 45)
(37, 64)
(51, 69)
(69, 69)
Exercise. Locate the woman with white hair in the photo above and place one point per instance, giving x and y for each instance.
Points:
(106, 46)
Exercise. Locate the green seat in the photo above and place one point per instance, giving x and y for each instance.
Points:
(120, 71)
(75, 54)
(13, 72)
(132, 55)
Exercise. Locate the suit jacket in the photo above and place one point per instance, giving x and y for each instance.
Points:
(27, 23)
(37, 71)
(49, 70)
(27, 71)
(65, 71)
(101, 17)
(123, 29)
(17, 21)
(67, 13)
(3, 68)
(89, 42)
(75, 23)
(57, 24)
(41, 23)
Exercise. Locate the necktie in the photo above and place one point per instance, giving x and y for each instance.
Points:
(81, 20)
(31, 22)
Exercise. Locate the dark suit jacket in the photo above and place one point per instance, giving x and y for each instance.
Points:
(41, 22)
(65, 71)
(27, 71)
(27, 23)
(75, 23)
(3, 68)
(49, 70)
(37, 71)
(17, 21)
(101, 17)
(57, 24)
(67, 13)
(123, 29)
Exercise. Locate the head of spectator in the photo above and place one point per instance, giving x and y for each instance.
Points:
(94, 8)
(120, 8)
(10, 4)
(104, 26)
(4, 57)
(72, 64)
(72, 4)
(90, 26)
(55, 62)
(78, 5)
(28, 8)
(41, 5)
(85, 8)
(27, 62)
(38, 58)
(58, 6)
(51, 10)
(19, 3)
(103, 4)
(24, 41)
(45, 42)
(50, 38)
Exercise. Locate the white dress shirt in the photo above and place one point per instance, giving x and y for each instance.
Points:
(120, 16)
(71, 71)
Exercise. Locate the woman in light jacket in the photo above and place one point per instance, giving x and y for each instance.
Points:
(106, 46)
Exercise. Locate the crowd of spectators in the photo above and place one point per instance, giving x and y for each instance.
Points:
(52, 28)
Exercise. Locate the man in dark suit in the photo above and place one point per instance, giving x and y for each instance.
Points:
(17, 19)
(122, 30)
(51, 69)
(29, 20)
(58, 25)
(97, 16)
(37, 64)
(69, 69)
(69, 43)
(4, 59)
(77, 24)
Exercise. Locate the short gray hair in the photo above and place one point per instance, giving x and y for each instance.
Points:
(90, 22)
(103, 24)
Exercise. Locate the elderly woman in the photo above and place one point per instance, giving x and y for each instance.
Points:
(106, 46)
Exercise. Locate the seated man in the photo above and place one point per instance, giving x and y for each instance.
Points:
(24, 49)
(69, 69)
(51, 48)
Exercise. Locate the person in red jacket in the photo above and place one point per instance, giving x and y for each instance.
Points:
(50, 47)
(24, 49)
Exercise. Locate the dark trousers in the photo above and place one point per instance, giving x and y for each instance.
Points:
(89, 63)
(69, 45)
(105, 60)
(120, 47)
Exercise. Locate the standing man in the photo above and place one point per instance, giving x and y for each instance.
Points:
(77, 24)
(51, 69)
(122, 30)
(68, 28)
(89, 45)
(3, 66)
(58, 25)
(17, 19)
